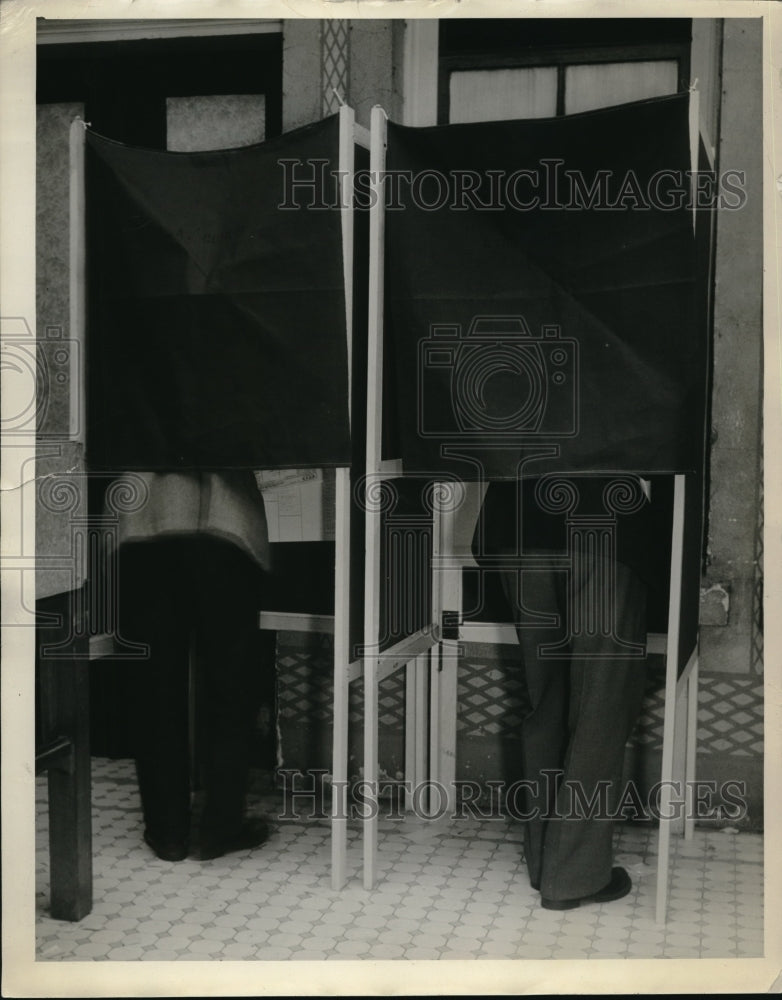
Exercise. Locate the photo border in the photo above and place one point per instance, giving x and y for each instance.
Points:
(22, 975)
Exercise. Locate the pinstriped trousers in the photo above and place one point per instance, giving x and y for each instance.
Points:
(582, 705)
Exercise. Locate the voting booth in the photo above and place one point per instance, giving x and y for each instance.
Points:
(500, 306)
(220, 309)
(544, 316)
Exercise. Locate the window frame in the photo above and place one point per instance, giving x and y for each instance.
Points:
(558, 57)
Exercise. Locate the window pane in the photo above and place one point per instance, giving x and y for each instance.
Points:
(499, 94)
(215, 122)
(604, 84)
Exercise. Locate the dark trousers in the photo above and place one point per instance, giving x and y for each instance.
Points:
(581, 709)
(176, 595)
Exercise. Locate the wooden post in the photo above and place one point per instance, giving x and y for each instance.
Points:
(373, 486)
(339, 767)
(411, 725)
(671, 677)
(67, 680)
(77, 281)
(691, 749)
(63, 682)
(447, 585)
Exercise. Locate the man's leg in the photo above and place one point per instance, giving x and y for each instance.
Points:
(227, 634)
(545, 725)
(605, 699)
(151, 611)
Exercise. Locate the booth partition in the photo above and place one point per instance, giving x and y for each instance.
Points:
(526, 302)
(542, 286)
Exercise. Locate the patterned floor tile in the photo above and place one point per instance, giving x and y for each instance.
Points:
(448, 893)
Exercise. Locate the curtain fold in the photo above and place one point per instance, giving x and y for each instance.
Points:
(540, 294)
(217, 334)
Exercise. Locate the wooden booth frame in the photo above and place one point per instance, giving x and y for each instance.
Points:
(429, 655)
(345, 669)
(437, 647)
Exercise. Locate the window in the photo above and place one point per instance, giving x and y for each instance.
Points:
(136, 91)
(530, 68)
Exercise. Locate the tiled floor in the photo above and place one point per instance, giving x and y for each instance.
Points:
(445, 892)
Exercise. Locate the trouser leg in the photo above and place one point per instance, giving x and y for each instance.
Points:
(582, 707)
(544, 727)
(227, 633)
(152, 611)
(606, 692)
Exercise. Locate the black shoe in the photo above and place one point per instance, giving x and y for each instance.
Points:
(252, 833)
(167, 850)
(618, 887)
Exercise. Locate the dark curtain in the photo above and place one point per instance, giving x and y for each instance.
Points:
(216, 306)
(540, 284)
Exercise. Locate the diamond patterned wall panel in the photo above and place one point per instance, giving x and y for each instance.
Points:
(730, 715)
(334, 64)
(305, 686)
(491, 699)
(648, 730)
(730, 709)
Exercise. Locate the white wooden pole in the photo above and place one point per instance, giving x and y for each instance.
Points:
(692, 680)
(434, 804)
(691, 749)
(671, 677)
(339, 767)
(448, 583)
(377, 160)
(694, 148)
(410, 731)
(440, 512)
(373, 524)
(420, 768)
(77, 282)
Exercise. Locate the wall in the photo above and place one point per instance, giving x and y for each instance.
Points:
(301, 91)
(730, 713)
(358, 57)
(729, 638)
(57, 505)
